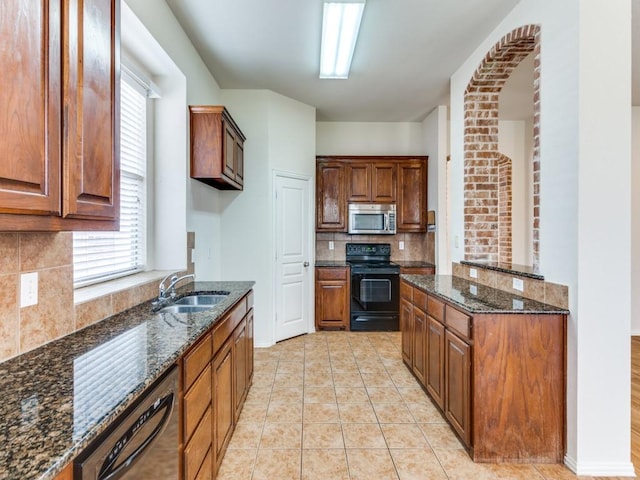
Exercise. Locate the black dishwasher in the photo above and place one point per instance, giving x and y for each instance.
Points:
(140, 444)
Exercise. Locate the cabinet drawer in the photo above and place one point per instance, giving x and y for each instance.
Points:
(435, 308)
(198, 447)
(458, 321)
(196, 360)
(332, 273)
(228, 324)
(406, 291)
(196, 402)
(420, 299)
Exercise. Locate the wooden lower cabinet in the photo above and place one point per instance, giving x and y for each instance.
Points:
(216, 376)
(419, 344)
(223, 404)
(332, 298)
(434, 370)
(457, 385)
(499, 378)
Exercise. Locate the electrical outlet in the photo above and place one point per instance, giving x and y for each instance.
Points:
(28, 289)
(456, 241)
(401, 245)
(473, 273)
(518, 304)
(331, 245)
(473, 289)
(518, 284)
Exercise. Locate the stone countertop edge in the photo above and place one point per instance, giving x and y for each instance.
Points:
(402, 263)
(331, 263)
(479, 299)
(41, 428)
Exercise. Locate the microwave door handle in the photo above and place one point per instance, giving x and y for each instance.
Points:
(386, 222)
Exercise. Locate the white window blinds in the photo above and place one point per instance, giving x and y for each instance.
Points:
(99, 256)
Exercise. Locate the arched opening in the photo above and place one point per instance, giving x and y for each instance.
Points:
(485, 221)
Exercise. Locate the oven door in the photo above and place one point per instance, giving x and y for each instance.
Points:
(375, 292)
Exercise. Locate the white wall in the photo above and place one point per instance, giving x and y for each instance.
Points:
(202, 201)
(280, 136)
(635, 223)
(512, 142)
(369, 138)
(585, 179)
(435, 134)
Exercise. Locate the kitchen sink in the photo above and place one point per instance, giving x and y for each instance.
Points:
(185, 308)
(201, 300)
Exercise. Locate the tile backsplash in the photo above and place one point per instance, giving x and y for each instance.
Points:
(417, 246)
(55, 315)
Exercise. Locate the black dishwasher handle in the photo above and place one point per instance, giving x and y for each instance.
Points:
(107, 471)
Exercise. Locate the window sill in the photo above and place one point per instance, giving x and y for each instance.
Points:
(98, 290)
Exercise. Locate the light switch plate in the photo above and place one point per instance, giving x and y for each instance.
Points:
(518, 284)
(473, 273)
(331, 245)
(28, 289)
(401, 245)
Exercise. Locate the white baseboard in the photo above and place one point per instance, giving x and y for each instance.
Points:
(600, 469)
(635, 333)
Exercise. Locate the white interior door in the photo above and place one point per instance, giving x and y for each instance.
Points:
(293, 316)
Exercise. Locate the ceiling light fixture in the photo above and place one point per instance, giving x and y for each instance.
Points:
(340, 25)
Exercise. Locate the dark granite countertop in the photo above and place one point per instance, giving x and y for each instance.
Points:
(414, 264)
(58, 398)
(331, 263)
(510, 268)
(476, 298)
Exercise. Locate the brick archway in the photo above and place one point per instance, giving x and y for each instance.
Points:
(481, 155)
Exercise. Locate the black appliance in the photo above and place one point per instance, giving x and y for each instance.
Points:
(142, 443)
(375, 287)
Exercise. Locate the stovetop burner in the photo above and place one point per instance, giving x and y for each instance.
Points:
(370, 256)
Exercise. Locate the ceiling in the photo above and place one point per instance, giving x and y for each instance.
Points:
(406, 52)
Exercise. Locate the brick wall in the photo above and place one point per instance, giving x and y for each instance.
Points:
(504, 208)
(482, 215)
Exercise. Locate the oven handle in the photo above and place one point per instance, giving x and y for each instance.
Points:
(107, 471)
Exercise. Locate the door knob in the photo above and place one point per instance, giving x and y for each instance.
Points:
(305, 264)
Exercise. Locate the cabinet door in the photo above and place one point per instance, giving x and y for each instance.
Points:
(249, 348)
(412, 195)
(30, 114)
(383, 182)
(332, 304)
(359, 182)
(331, 202)
(239, 162)
(66, 473)
(222, 400)
(419, 344)
(91, 93)
(434, 371)
(229, 151)
(406, 329)
(239, 366)
(458, 385)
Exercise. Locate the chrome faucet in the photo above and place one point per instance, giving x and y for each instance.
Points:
(164, 293)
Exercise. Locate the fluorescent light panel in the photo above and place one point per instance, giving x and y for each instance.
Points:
(340, 25)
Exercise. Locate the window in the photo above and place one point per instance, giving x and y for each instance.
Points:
(100, 256)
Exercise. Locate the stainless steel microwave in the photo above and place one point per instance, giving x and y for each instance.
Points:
(372, 218)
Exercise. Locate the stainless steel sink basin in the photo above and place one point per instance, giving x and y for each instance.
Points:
(185, 308)
(201, 300)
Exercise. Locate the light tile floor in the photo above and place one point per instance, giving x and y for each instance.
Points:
(342, 405)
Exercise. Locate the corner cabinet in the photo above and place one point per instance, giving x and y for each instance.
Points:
(216, 376)
(497, 377)
(332, 298)
(217, 147)
(59, 131)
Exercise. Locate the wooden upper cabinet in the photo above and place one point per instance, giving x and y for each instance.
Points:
(30, 113)
(383, 182)
(91, 144)
(217, 148)
(331, 204)
(412, 196)
(359, 182)
(59, 126)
